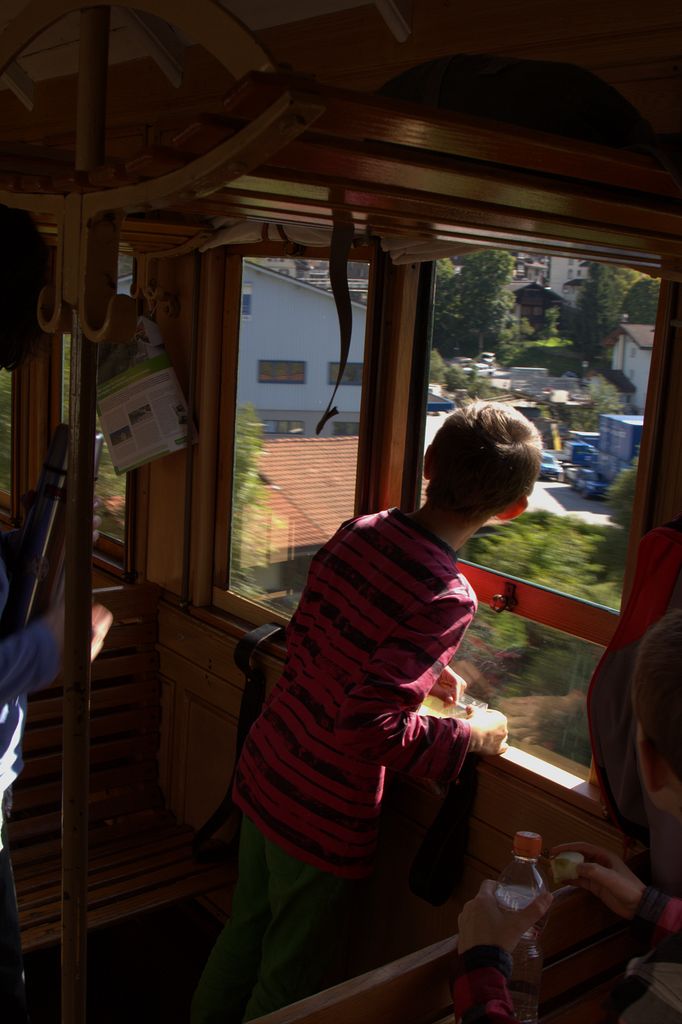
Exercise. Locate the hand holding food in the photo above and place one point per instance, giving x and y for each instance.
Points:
(488, 732)
(605, 875)
(565, 865)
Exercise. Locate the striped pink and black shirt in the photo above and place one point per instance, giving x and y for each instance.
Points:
(383, 611)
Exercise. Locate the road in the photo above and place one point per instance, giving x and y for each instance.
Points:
(563, 501)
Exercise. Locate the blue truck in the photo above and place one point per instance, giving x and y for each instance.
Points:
(578, 455)
(619, 441)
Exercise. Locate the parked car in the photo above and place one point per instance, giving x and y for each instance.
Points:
(590, 484)
(550, 467)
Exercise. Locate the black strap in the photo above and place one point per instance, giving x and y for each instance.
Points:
(438, 863)
(249, 710)
(342, 238)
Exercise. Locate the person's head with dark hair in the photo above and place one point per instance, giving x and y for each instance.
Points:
(23, 264)
(657, 703)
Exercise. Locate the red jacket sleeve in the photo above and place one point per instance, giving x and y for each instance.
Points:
(480, 992)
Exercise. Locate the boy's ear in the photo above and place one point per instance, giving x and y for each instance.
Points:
(513, 510)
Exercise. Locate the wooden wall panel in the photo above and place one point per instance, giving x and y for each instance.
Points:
(166, 476)
(200, 711)
(167, 729)
(205, 751)
(198, 671)
(393, 922)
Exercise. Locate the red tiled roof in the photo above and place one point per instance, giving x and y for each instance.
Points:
(311, 486)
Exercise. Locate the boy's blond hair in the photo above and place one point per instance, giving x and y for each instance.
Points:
(485, 457)
(657, 688)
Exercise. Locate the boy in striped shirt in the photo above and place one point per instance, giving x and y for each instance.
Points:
(383, 612)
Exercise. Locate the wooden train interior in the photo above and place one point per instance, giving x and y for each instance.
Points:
(185, 143)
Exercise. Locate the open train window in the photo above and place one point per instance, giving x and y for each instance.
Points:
(556, 349)
(291, 488)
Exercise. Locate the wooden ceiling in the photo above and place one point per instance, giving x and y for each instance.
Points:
(397, 169)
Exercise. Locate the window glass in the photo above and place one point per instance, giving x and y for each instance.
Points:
(291, 487)
(568, 375)
(538, 677)
(566, 371)
(5, 436)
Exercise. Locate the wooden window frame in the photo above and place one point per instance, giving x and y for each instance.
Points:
(223, 599)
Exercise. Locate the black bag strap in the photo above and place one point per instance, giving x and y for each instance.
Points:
(342, 239)
(438, 863)
(249, 710)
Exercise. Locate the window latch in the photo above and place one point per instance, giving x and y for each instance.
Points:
(504, 602)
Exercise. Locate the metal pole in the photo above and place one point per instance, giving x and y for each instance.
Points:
(90, 138)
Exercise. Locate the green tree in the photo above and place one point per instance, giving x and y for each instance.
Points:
(444, 307)
(482, 304)
(248, 497)
(456, 379)
(604, 398)
(436, 368)
(641, 301)
(512, 340)
(550, 328)
(622, 495)
(471, 303)
(600, 305)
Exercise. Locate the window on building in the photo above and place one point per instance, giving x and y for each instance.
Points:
(352, 373)
(563, 560)
(246, 302)
(283, 427)
(281, 371)
(290, 488)
(345, 428)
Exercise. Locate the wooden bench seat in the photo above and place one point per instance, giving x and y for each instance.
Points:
(140, 858)
(415, 989)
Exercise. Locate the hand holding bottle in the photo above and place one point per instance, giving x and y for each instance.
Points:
(449, 686)
(484, 923)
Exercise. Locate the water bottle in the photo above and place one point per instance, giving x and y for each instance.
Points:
(518, 885)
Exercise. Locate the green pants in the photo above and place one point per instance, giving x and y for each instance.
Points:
(285, 931)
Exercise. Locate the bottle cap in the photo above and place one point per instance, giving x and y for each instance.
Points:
(527, 844)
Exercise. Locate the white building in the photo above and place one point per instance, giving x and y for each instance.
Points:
(631, 356)
(567, 276)
(289, 355)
